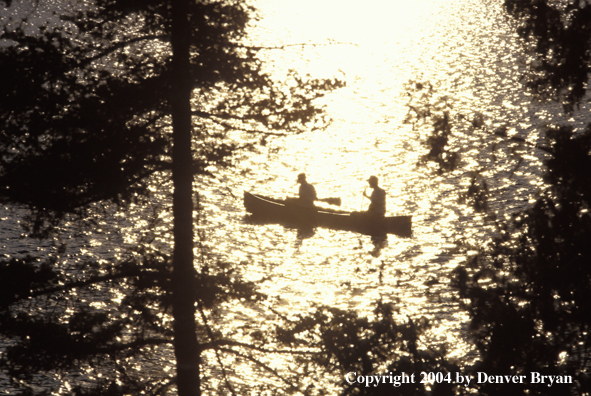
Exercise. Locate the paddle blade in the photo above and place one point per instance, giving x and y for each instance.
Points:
(332, 201)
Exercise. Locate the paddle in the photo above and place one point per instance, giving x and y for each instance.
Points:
(331, 201)
(362, 199)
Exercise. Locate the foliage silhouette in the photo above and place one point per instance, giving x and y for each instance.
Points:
(447, 140)
(350, 347)
(558, 35)
(80, 83)
(527, 291)
(533, 315)
(98, 110)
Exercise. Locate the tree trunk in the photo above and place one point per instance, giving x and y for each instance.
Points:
(183, 304)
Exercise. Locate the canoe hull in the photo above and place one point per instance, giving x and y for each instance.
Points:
(265, 209)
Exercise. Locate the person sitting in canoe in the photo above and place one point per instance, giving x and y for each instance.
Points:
(307, 193)
(377, 206)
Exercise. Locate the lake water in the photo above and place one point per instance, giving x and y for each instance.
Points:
(467, 51)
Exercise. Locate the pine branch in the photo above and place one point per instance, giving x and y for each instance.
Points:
(225, 342)
(262, 365)
(119, 45)
(78, 284)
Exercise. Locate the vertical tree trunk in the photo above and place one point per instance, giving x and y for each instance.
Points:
(183, 304)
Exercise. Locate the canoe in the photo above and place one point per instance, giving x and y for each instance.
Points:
(289, 213)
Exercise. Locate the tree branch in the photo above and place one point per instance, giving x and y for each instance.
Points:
(217, 355)
(117, 46)
(226, 342)
(284, 46)
(133, 345)
(261, 364)
(213, 117)
(78, 284)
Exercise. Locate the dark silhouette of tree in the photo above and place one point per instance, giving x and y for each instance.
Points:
(97, 102)
(558, 34)
(82, 80)
(532, 315)
(528, 291)
(186, 347)
(451, 132)
(352, 348)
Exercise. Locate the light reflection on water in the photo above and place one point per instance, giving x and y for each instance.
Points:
(457, 46)
(465, 49)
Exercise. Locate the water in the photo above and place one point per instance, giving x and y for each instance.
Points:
(466, 50)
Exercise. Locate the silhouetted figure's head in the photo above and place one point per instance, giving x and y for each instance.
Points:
(373, 181)
(302, 178)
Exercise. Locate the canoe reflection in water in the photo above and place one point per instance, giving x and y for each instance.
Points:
(265, 210)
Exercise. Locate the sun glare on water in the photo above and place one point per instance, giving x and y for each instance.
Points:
(376, 47)
(370, 46)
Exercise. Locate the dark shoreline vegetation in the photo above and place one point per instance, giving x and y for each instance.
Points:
(103, 99)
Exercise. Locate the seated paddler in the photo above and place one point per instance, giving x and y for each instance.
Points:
(307, 192)
(377, 206)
